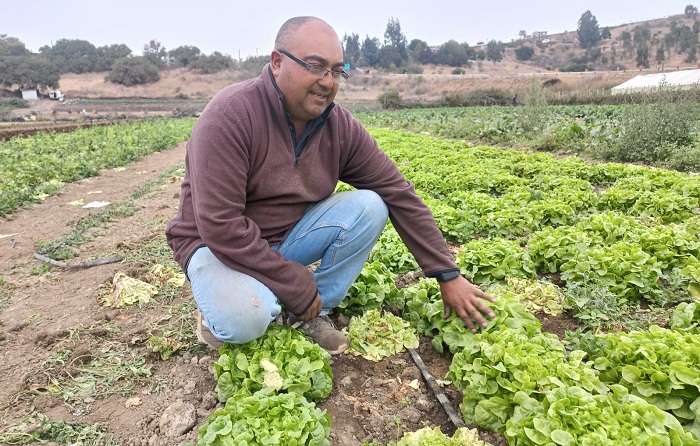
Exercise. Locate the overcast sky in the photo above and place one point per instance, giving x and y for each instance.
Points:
(249, 27)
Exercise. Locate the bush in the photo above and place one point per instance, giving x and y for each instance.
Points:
(490, 97)
(213, 63)
(390, 99)
(458, 71)
(661, 126)
(130, 71)
(532, 115)
(524, 53)
(13, 103)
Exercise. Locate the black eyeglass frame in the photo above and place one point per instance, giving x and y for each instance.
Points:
(338, 76)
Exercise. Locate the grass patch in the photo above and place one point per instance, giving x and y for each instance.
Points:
(6, 290)
(39, 428)
(171, 175)
(175, 332)
(13, 103)
(62, 249)
(87, 365)
(150, 252)
(81, 375)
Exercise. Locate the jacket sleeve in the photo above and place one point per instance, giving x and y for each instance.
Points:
(368, 167)
(218, 162)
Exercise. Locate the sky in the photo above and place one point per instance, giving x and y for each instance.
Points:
(248, 28)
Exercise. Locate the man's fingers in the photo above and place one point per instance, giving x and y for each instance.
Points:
(484, 309)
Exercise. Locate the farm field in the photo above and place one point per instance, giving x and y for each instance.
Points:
(587, 248)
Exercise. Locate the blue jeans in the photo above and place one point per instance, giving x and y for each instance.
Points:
(340, 231)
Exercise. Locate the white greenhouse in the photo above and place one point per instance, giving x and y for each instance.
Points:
(676, 79)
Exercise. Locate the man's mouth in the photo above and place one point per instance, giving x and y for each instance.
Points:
(320, 96)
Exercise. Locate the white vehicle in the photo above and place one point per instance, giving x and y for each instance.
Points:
(56, 95)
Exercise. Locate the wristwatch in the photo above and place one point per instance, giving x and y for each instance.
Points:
(447, 276)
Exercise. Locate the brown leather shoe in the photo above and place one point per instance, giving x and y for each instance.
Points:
(323, 332)
(204, 335)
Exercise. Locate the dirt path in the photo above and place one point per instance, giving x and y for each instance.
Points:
(54, 326)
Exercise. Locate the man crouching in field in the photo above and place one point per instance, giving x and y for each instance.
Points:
(257, 203)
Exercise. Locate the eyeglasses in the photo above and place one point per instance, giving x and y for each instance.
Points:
(339, 76)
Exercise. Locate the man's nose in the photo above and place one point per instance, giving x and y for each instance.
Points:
(327, 80)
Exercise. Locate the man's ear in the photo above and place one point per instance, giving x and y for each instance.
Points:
(275, 61)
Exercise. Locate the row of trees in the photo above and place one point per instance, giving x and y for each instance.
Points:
(396, 53)
(18, 66)
(640, 44)
(21, 67)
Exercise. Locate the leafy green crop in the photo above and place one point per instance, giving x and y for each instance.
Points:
(266, 418)
(375, 286)
(489, 260)
(434, 437)
(658, 365)
(686, 318)
(376, 335)
(571, 416)
(391, 251)
(294, 364)
(500, 363)
(39, 165)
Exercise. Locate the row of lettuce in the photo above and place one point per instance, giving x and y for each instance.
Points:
(659, 131)
(557, 234)
(34, 167)
(612, 237)
(617, 234)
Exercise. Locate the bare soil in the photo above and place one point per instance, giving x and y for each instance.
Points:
(46, 313)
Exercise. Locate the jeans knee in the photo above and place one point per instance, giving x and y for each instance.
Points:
(239, 330)
(374, 207)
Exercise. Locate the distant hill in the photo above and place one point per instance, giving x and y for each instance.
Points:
(562, 52)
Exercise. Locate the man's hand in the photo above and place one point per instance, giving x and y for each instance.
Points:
(466, 299)
(313, 311)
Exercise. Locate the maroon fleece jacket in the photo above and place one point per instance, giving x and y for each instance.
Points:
(243, 191)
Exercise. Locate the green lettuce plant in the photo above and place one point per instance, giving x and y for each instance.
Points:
(281, 358)
(266, 418)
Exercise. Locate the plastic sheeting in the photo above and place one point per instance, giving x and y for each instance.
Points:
(683, 78)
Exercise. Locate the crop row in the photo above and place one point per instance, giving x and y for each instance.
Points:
(611, 234)
(37, 166)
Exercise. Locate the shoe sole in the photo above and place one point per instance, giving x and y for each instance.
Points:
(200, 329)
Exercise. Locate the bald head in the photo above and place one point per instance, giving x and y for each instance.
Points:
(287, 32)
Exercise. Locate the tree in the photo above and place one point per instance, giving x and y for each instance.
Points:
(588, 30)
(353, 50)
(660, 55)
(72, 55)
(524, 53)
(691, 11)
(643, 57)
(155, 53)
(394, 37)
(28, 72)
(389, 57)
(370, 51)
(107, 55)
(626, 37)
(183, 56)
(495, 51)
(420, 51)
(213, 63)
(12, 46)
(605, 33)
(133, 70)
(522, 33)
(641, 36)
(451, 54)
